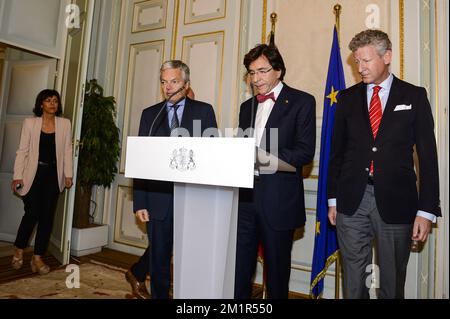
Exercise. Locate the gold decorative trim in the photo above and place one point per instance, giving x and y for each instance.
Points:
(128, 97)
(237, 104)
(219, 95)
(331, 259)
(186, 22)
(118, 221)
(175, 29)
(402, 37)
(436, 125)
(294, 294)
(436, 63)
(163, 3)
(264, 22)
(301, 268)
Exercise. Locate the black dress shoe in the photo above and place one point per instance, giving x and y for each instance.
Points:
(138, 288)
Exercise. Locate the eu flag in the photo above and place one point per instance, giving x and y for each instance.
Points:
(325, 245)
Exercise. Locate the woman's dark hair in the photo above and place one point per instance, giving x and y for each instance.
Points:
(44, 94)
(271, 53)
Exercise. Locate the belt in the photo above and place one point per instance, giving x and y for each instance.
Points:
(370, 180)
(46, 164)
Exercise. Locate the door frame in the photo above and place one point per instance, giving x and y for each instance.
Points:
(88, 8)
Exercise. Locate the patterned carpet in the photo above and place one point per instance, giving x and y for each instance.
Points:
(97, 281)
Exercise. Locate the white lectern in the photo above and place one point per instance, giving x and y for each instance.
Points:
(207, 173)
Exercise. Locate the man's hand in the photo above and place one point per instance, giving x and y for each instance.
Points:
(143, 215)
(421, 229)
(68, 182)
(332, 215)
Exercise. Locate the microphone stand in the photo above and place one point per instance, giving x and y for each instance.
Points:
(252, 129)
(164, 107)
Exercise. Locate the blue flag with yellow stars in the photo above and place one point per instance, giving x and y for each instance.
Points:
(325, 244)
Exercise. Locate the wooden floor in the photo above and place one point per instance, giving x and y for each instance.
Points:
(124, 260)
(7, 273)
(106, 256)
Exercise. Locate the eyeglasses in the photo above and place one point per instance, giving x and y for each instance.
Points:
(260, 72)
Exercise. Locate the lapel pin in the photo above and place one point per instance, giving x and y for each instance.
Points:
(286, 101)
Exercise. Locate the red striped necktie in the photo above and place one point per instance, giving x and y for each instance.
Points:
(375, 113)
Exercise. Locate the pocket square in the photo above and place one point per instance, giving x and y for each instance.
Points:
(402, 107)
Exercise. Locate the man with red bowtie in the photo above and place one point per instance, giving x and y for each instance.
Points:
(271, 211)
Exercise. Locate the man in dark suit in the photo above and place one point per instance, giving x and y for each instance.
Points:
(137, 274)
(270, 212)
(153, 200)
(371, 173)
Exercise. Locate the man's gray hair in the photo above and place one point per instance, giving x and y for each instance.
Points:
(377, 38)
(177, 64)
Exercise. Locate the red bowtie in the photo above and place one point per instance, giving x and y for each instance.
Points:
(263, 98)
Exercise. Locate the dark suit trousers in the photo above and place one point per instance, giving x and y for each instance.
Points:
(356, 234)
(277, 246)
(39, 205)
(142, 267)
(160, 233)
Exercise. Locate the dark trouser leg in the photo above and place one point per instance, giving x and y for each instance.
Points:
(49, 193)
(161, 243)
(142, 267)
(32, 209)
(246, 251)
(393, 250)
(355, 235)
(277, 246)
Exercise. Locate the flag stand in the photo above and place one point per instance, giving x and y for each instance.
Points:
(271, 37)
(337, 278)
(326, 250)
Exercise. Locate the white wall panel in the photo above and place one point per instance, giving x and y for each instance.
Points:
(37, 25)
(43, 29)
(11, 204)
(204, 10)
(142, 87)
(11, 138)
(31, 78)
(128, 229)
(204, 55)
(149, 15)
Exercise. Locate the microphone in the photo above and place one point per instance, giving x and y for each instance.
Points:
(164, 107)
(252, 129)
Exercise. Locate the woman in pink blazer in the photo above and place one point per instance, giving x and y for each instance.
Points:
(43, 168)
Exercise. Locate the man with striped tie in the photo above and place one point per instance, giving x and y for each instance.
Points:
(153, 200)
(371, 182)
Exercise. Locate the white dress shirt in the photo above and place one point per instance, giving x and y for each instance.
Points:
(263, 112)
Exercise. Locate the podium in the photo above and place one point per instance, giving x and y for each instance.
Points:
(207, 174)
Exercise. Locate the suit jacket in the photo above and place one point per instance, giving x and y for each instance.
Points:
(280, 196)
(157, 196)
(353, 148)
(27, 156)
